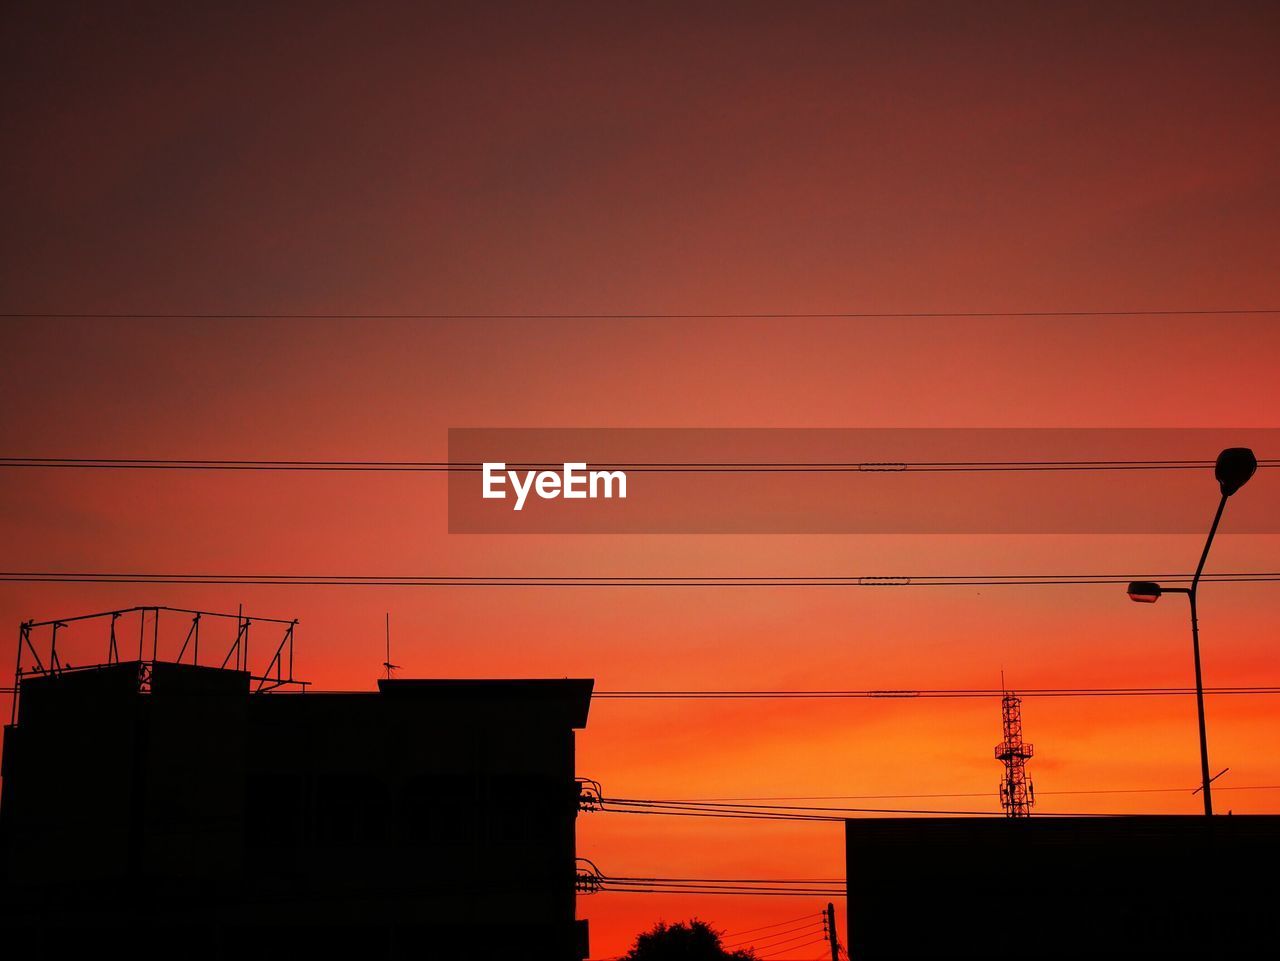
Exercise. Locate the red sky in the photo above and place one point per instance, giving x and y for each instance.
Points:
(689, 159)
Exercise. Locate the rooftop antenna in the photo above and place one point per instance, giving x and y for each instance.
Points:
(387, 665)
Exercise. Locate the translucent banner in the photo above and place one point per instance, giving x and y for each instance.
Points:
(854, 480)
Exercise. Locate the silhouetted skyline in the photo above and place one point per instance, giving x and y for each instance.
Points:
(568, 160)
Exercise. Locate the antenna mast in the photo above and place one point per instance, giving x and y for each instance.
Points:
(1017, 792)
(387, 665)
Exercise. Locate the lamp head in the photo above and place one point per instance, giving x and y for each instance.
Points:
(1234, 468)
(1144, 592)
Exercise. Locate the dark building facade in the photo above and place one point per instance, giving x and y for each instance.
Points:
(162, 809)
(1063, 887)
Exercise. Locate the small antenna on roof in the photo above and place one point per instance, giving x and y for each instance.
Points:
(387, 665)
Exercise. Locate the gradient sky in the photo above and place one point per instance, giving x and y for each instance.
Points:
(690, 158)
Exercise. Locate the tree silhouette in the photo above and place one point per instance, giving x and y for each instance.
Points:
(691, 940)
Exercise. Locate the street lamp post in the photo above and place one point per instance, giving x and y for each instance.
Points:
(1234, 468)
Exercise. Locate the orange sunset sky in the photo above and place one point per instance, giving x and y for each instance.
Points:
(381, 159)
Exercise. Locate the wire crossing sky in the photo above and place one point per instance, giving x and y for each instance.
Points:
(89, 463)
(248, 295)
(782, 315)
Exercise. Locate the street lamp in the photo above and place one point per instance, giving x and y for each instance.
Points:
(1145, 592)
(1234, 468)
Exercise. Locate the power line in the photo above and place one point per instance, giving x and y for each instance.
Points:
(781, 957)
(924, 694)
(717, 581)
(796, 947)
(375, 466)
(613, 885)
(987, 794)
(765, 315)
(921, 694)
(778, 807)
(790, 887)
(780, 944)
(734, 881)
(758, 939)
(778, 887)
(761, 811)
(746, 816)
(810, 812)
(781, 937)
(814, 812)
(745, 892)
(749, 814)
(766, 927)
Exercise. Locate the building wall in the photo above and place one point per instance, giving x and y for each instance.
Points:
(432, 813)
(1057, 887)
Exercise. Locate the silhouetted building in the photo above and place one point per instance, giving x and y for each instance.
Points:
(163, 810)
(1062, 887)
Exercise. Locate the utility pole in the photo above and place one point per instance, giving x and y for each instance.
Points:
(832, 937)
